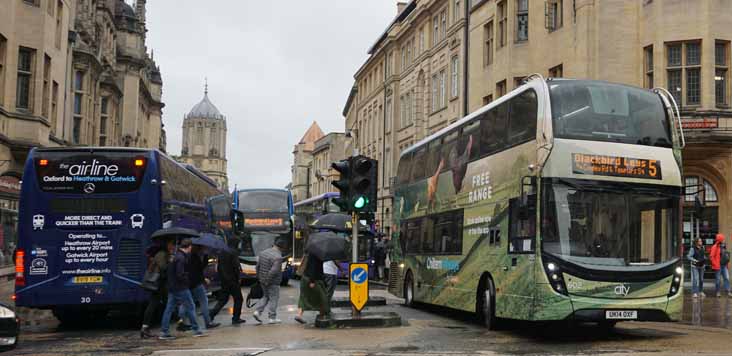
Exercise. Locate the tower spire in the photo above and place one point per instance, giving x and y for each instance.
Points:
(205, 90)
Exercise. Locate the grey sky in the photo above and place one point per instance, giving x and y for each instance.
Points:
(272, 66)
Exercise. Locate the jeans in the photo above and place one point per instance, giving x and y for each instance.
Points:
(229, 290)
(184, 297)
(722, 273)
(697, 275)
(331, 281)
(199, 294)
(270, 299)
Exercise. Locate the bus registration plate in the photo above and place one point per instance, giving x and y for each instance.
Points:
(621, 314)
(87, 279)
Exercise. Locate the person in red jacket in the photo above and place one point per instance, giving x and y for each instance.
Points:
(719, 257)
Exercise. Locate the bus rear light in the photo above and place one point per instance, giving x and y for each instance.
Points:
(20, 268)
(139, 162)
(43, 162)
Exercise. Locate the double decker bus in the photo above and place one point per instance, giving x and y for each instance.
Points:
(85, 220)
(558, 201)
(261, 217)
(307, 212)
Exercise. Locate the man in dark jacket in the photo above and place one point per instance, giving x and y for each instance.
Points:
(269, 275)
(178, 292)
(229, 273)
(197, 264)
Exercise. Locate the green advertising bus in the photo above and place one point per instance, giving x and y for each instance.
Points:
(559, 201)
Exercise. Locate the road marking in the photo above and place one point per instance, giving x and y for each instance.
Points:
(247, 350)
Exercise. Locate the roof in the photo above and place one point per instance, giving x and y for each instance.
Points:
(205, 109)
(313, 134)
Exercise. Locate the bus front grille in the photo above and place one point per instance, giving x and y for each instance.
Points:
(393, 275)
(129, 258)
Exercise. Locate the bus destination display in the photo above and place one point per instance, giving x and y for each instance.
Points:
(601, 165)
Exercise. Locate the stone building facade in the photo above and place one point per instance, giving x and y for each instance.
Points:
(302, 173)
(327, 149)
(411, 86)
(74, 73)
(204, 141)
(683, 46)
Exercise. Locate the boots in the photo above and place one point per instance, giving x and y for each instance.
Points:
(145, 332)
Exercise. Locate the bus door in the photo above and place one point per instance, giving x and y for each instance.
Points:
(518, 268)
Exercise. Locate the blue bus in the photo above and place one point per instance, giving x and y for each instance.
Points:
(308, 211)
(85, 220)
(261, 217)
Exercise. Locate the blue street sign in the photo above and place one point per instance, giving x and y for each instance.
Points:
(359, 275)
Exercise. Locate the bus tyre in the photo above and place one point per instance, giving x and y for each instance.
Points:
(409, 290)
(485, 307)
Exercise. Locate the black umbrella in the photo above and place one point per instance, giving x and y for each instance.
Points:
(327, 246)
(174, 232)
(337, 222)
(211, 241)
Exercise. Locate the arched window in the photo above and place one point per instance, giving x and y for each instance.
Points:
(710, 194)
(696, 186)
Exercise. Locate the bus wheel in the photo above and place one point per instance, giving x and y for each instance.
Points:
(486, 308)
(409, 290)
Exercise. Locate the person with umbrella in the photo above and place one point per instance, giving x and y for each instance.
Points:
(179, 292)
(321, 246)
(197, 264)
(229, 270)
(159, 255)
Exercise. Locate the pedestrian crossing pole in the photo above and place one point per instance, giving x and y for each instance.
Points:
(355, 313)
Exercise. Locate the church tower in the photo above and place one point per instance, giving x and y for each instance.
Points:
(204, 140)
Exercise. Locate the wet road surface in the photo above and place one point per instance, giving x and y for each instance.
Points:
(427, 330)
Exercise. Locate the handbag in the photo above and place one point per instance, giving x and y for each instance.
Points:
(151, 280)
(256, 292)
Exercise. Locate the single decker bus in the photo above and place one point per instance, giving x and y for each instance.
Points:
(85, 220)
(558, 201)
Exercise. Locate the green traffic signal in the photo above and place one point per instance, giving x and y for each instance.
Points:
(361, 202)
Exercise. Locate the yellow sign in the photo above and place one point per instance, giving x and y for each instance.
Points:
(87, 279)
(359, 284)
(615, 166)
(262, 222)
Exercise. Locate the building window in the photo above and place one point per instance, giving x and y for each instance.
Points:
(24, 94)
(421, 40)
(487, 99)
(556, 72)
(389, 59)
(435, 30)
(684, 71)
(501, 88)
(488, 50)
(522, 20)
(409, 52)
(720, 72)
(404, 59)
(648, 67)
(3, 53)
(435, 90)
(46, 86)
(59, 22)
(454, 77)
(443, 87)
(456, 11)
(443, 24)
(103, 120)
(554, 18)
(388, 115)
(33, 2)
(78, 105)
(54, 108)
(692, 188)
(710, 194)
(402, 112)
(502, 17)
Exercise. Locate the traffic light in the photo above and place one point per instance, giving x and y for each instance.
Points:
(364, 183)
(343, 184)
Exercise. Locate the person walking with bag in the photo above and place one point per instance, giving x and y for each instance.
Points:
(229, 271)
(179, 292)
(269, 275)
(155, 281)
(719, 257)
(313, 295)
(697, 258)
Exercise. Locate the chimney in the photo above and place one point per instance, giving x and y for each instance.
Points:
(400, 7)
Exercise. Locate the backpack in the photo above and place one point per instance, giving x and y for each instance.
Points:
(724, 257)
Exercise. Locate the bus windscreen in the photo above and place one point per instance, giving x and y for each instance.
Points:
(263, 201)
(90, 172)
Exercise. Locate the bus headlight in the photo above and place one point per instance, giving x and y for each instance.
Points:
(6, 313)
(678, 278)
(290, 260)
(555, 277)
(401, 265)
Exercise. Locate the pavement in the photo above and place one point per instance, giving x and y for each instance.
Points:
(705, 330)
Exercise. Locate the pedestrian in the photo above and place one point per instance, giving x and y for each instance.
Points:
(719, 258)
(198, 261)
(158, 263)
(179, 291)
(313, 295)
(380, 258)
(330, 277)
(698, 259)
(269, 275)
(229, 272)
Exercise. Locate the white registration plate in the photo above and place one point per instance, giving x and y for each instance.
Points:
(621, 314)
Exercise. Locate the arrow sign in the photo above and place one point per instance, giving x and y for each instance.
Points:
(359, 285)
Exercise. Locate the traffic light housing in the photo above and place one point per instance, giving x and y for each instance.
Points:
(343, 184)
(364, 184)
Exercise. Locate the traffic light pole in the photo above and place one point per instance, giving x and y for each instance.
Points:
(355, 313)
